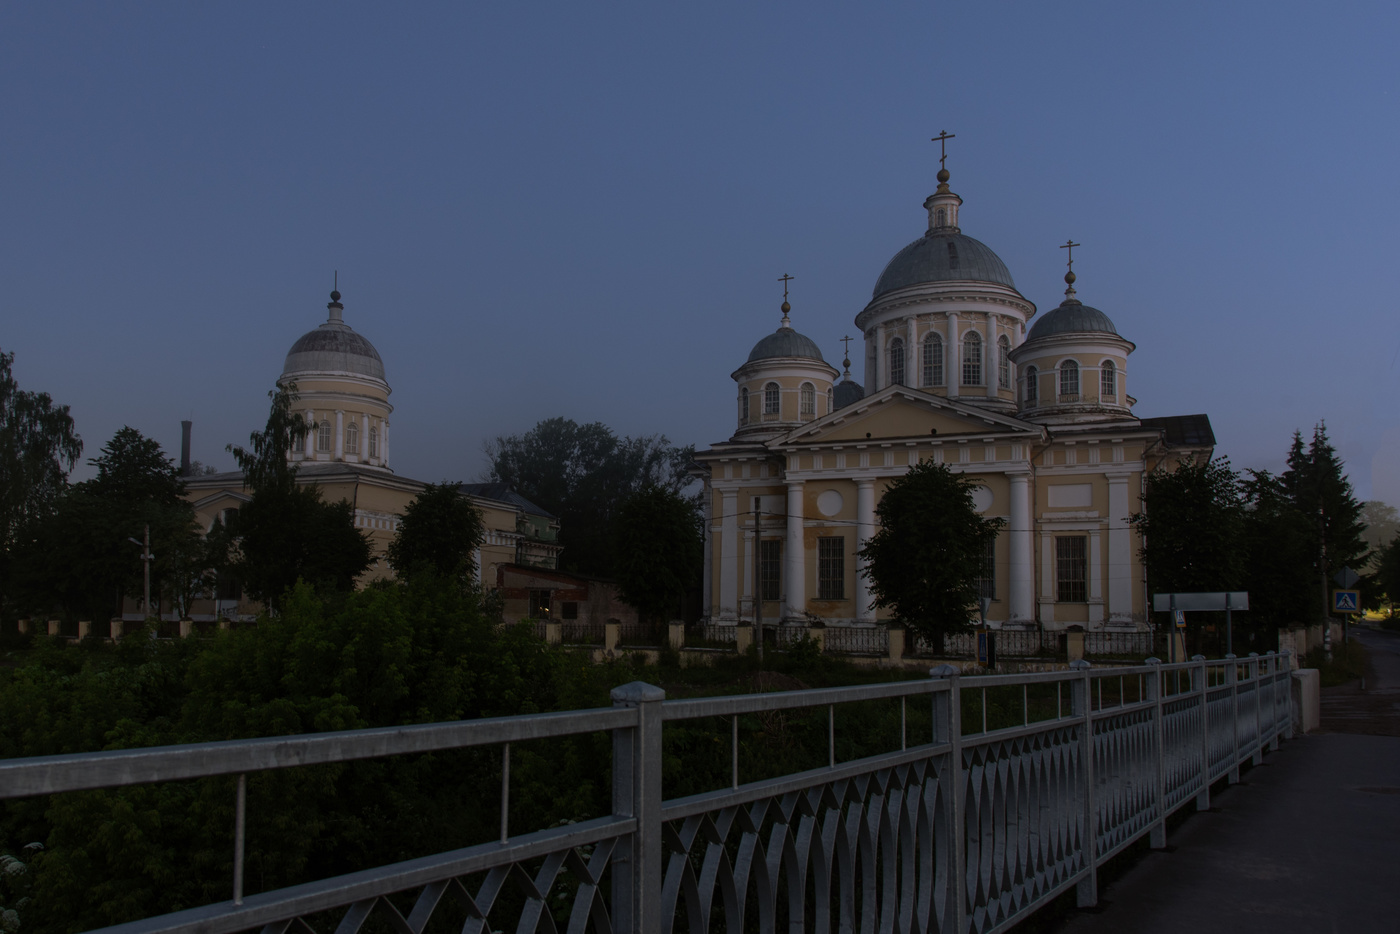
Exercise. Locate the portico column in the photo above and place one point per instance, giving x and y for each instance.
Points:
(865, 528)
(729, 555)
(954, 356)
(339, 435)
(384, 450)
(310, 433)
(706, 593)
(1022, 584)
(364, 438)
(1120, 550)
(880, 376)
(794, 556)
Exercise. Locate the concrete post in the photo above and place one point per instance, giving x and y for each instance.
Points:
(896, 647)
(53, 627)
(23, 625)
(116, 627)
(611, 635)
(186, 628)
(818, 635)
(553, 632)
(1258, 758)
(743, 638)
(1158, 835)
(1198, 685)
(84, 629)
(1074, 646)
(1087, 889)
(225, 622)
(636, 892)
(947, 728)
(675, 634)
(1232, 678)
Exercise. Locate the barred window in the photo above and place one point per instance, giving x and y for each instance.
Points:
(831, 568)
(743, 406)
(1069, 381)
(1071, 568)
(933, 360)
(1031, 388)
(568, 609)
(770, 399)
(352, 438)
(323, 436)
(808, 398)
(1108, 382)
(1004, 362)
(539, 604)
(972, 359)
(987, 574)
(897, 362)
(374, 442)
(769, 554)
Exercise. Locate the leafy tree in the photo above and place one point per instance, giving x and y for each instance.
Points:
(657, 549)
(439, 532)
(1318, 488)
(582, 473)
(38, 447)
(925, 560)
(1191, 525)
(1387, 573)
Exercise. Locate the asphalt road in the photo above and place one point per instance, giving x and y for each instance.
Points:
(1307, 842)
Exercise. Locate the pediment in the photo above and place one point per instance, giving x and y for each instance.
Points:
(902, 413)
(222, 499)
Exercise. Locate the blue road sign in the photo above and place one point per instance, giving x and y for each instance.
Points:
(1346, 601)
(1179, 619)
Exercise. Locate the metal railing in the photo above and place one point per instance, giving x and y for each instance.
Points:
(964, 829)
(575, 632)
(1118, 643)
(858, 640)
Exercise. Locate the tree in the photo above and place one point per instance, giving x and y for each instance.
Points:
(1279, 544)
(1382, 523)
(582, 473)
(1191, 525)
(1318, 488)
(1387, 573)
(657, 550)
(439, 532)
(38, 447)
(925, 561)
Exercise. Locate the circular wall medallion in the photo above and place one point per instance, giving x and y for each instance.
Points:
(829, 502)
(981, 499)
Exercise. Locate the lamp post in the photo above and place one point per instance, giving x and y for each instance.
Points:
(146, 558)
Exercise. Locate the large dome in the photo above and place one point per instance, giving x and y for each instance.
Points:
(1071, 317)
(943, 256)
(334, 347)
(785, 342)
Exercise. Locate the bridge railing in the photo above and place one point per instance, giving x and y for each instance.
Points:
(967, 828)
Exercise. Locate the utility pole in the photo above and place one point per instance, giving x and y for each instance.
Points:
(146, 557)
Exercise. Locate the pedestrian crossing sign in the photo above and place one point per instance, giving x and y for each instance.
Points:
(1179, 618)
(1346, 601)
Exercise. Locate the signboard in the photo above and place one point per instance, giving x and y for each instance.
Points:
(1346, 601)
(987, 648)
(1193, 602)
(1179, 619)
(1346, 578)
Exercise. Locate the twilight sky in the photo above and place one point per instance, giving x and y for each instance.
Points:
(543, 209)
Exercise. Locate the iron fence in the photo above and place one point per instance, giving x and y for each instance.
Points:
(1123, 644)
(641, 635)
(965, 830)
(858, 640)
(1013, 643)
(576, 632)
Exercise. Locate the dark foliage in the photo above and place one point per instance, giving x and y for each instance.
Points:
(438, 533)
(657, 551)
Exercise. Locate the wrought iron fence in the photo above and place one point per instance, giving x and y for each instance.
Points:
(575, 632)
(858, 640)
(644, 635)
(1017, 643)
(962, 830)
(1124, 644)
(717, 633)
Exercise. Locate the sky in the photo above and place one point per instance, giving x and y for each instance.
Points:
(582, 210)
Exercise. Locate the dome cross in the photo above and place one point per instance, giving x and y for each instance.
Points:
(1070, 276)
(942, 140)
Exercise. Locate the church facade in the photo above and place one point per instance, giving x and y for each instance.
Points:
(958, 370)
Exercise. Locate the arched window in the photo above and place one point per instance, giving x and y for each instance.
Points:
(808, 399)
(770, 399)
(972, 359)
(933, 360)
(1108, 382)
(1069, 381)
(744, 406)
(352, 438)
(1032, 393)
(897, 362)
(1004, 362)
(374, 442)
(323, 436)
(942, 216)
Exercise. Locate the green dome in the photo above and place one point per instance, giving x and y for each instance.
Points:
(942, 257)
(1071, 317)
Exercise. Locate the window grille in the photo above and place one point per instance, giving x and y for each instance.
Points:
(1071, 568)
(809, 400)
(769, 552)
(770, 399)
(352, 438)
(1004, 362)
(972, 359)
(539, 604)
(933, 360)
(831, 568)
(743, 406)
(323, 436)
(1108, 382)
(374, 442)
(897, 362)
(1069, 381)
(987, 574)
(1031, 388)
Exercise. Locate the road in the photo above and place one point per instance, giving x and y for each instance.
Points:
(1307, 842)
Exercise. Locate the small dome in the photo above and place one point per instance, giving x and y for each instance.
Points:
(333, 347)
(1071, 317)
(785, 342)
(848, 393)
(942, 257)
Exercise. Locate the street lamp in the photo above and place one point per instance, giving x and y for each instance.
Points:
(147, 558)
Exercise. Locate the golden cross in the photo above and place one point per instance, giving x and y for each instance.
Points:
(942, 140)
(785, 279)
(847, 342)
(1070, 245)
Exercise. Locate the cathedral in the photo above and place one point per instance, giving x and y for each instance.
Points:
(959, 370)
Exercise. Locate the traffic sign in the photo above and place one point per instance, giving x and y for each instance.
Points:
(1179, 619)
(1346, 601)
(1346, 578)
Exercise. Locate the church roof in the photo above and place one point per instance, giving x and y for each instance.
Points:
(848, 392)
(334, 347)
(1071, 317)
(939, 257)
(785, 342)
(1183, 430)
(502, 493)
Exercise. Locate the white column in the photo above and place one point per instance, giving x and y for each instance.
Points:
(911, 375)
(952, 357)
(706, 594)
(794, 556)
(1047, 578)
(384, 445)
(1120, 551)
(990, 359)
(1022, 582)
(729, 555)
(339, 435)
(311, 433)
(476, 559)
(880, 376)
(865, 528)
(364, 437)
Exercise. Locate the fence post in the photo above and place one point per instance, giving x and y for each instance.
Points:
(675, 634)
(53, 625)
(947, 728)
(636, 892)
(1232, 678)
(553, 632)
(1158, 835)
(23, 626)
(612, 632)
(1258, 709)
(895, 648)
(1087, 890)
(1199, 685)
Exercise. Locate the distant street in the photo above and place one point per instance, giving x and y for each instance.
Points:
(1308, 842)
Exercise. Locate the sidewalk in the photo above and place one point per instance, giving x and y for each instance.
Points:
(1309, 841)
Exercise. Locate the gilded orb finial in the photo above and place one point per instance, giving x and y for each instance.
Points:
(1070, 276)
(785, 279)
(942, 140)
